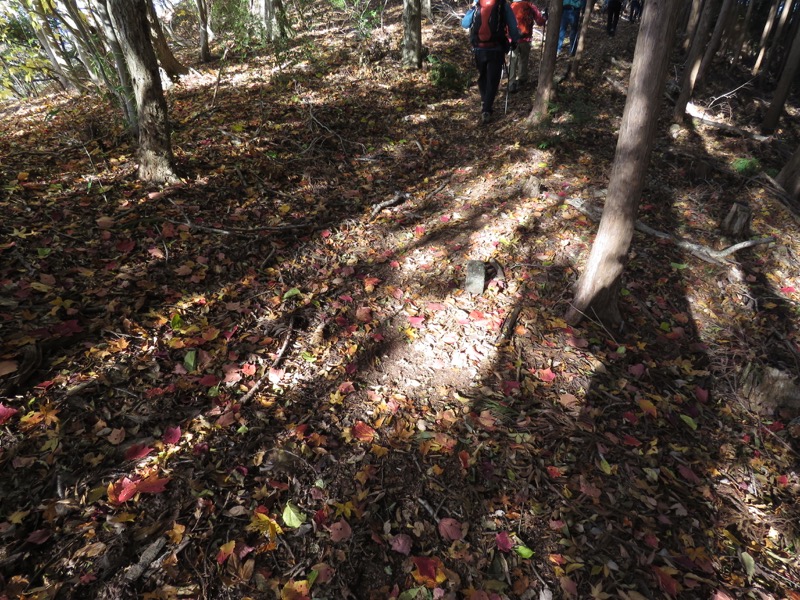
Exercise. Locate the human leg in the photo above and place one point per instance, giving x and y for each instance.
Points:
(482, 64)
(513, 68)
(494, 72)
(562, 32)
(574, 33)
(524, 51)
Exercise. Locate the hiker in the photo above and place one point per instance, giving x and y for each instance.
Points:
(570, 19)
(491, 24)
(614, 8)
(527, 14)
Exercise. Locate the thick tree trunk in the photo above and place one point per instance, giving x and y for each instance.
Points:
(171, 65)
(789, 177)
(782, 89)
(762, 47)
(694, 60)
(133, 32)
(202, 14)
(412, 34)
(742, 34)
(598, 287)
(774, 48)
(547, 66)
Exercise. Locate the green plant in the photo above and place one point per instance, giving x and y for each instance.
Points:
(446, 75)
(746, 166)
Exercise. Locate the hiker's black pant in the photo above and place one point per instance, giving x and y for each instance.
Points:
(490, 70)
(614, 8)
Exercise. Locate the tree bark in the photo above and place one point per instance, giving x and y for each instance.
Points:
(124, 92)
(576, 60)
(412, 34)
(694, 60)
(773, 52)
(129, 18)
(202, 14)
(742, 35)
(171, 65)
(547, 66)
(598, 286)
(691, 24)
(789, 177)
(713, 44)
(762, 47)
(782, 89)
(62, 67)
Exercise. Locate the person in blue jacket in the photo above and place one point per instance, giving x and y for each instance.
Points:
(570, 21)
(490, 49)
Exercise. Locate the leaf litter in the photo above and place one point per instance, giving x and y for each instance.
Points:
(250, 384)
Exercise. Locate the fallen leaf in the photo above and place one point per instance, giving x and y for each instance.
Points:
(341, 531)
(137, 451)
(428, 571)
(225, 551)
(503, 541)
(8, 366)
(401, 543)
(450, 529)
(6, 412)
(172, 435)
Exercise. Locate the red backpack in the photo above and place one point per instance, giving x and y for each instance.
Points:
(488, 29)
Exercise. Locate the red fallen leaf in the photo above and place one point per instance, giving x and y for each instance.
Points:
(346, 387)
(137, 451)
(546, 375)
(363, 432)
(225, 551)
(428, 571)
(788, 289)
(444, 218)
(569, 586)
(636, 370)
(450, 529)
(722, 595)
(40, 536)
(577, 342)
(324, 571)
(401, 543)
(325, 233)
(434, 306)
(172, 435)
(557, 525)
(125, 245)
(370, 283)
(666, 582)
(651, 540)
(557, 559)
(510, 386)
(394, 264)
(153, 484)
(554, 472)
(226, 419)
(6, 412)
(416, 321)
(782, 480)
(248, 369)
(630, 417)
(463, 458)
(121, 491)
(419, 230)
(503, 541)
(341, 531)
(676, 333)
(364, 314)
(629, 440)
(209, 380)
(776, 426)
(701, 394)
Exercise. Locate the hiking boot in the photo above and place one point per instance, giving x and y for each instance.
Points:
(485, 118)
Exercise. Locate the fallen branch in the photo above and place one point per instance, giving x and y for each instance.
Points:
(699, 116)
(700, 251)
(241, 230)
(150, 554)
(396, 199)
(257, 385)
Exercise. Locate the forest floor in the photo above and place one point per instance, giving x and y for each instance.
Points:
(262, 383)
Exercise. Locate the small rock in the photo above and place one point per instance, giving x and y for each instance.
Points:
(476, 277)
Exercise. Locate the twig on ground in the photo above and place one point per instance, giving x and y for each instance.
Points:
(150, 554)
(257, 385)
(398, 198)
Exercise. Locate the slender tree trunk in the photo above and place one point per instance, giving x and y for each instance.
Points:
(202, 14)
(598, 287)
(427, 11)
(694, 60)
(713, 44)
(789, 177)
(124, 92)
(773, 52)
(547, 66)
(762, 47)
(782, 89)
(574, 64)
(742, 36)
(171, 65)
(412, 34)
(62, 66)
(691, 24)
(133, 32)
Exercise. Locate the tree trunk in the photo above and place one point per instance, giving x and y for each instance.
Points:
(202, 17)
(762, 47)
(789, 177)
(171, 65)
(576, 60)
(124, 92)
(782, 89)
(716, 38)
(412, 34)
(133, 32)
(691, 25)
(742, 36)
(773, 52)
(694, 60)
(598, 286)
(62, 66)
(427, 10)
(547, 66)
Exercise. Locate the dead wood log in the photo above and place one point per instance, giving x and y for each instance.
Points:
(716, 257)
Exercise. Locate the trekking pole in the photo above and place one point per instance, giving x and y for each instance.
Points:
(508, 85)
